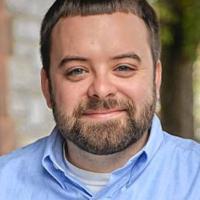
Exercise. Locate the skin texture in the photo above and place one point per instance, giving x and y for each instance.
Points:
(101, 56)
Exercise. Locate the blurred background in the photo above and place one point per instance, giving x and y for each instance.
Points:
(24, 116)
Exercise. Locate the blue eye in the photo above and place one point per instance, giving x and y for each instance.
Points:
(76, 72)
(123, 68)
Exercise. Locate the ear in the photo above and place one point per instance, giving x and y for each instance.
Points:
(158, 78)
(45, 85)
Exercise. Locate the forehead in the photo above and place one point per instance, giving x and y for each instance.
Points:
(117, 20)
(107, 33)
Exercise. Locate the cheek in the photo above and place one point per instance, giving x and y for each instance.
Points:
(138, 91)
(68, 95)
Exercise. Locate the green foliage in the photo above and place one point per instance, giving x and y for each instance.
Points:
(166, 17)
(191, 24)
(184, 14)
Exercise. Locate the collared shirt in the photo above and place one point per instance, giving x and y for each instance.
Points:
(93, 180)
(167, 168)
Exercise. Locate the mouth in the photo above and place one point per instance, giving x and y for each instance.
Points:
(103, 114)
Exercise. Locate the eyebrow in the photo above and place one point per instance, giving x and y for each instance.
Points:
(131, 55)
(67, 59)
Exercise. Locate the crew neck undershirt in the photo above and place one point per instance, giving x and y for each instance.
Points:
(94, 181)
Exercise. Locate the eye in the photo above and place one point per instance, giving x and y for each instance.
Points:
(76, 74)
(125, 70)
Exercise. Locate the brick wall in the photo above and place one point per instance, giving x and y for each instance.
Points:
(30, 114)
(7, 137)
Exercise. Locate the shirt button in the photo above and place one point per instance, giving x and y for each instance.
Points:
(55, 166)
(124, 189)
(103, 198)
(107, 198)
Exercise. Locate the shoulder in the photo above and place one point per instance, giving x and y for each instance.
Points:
(21, 169)
(23, 157)
(182, 146)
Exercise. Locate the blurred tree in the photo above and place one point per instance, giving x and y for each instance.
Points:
(180, 35)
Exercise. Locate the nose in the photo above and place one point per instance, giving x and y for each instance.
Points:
(101, 87)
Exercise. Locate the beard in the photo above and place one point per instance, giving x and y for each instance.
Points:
(107, 136)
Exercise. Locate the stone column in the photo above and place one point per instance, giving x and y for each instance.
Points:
(6, 127)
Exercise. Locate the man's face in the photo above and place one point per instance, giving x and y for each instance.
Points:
(102, 86)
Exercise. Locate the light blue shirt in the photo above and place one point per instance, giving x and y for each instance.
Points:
(167, 168)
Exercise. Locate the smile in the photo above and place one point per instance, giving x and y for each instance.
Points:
(103, 114)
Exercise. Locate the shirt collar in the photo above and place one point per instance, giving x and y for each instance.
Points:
(54, 147)
(53, 158)
(154, 141)
(141, 160)
(155, 138)
(137, 163)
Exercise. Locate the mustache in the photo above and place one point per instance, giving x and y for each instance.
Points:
(104, 104)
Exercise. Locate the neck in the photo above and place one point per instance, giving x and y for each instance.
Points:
(102, 163)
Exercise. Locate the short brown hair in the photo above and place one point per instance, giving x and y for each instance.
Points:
(67, 8)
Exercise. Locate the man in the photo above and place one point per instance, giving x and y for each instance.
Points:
(101, 77)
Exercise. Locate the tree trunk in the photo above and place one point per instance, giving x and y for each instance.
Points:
(177, 87)
(177, 96)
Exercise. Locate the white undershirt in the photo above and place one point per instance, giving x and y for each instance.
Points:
(94, 181)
